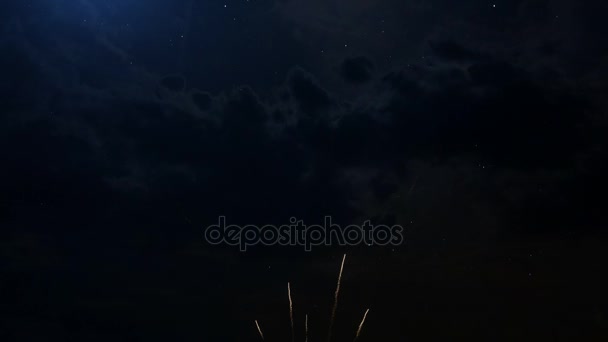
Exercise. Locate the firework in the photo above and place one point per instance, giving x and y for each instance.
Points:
(306, 328)
(361, 325)
(335, 306)
(290, 312)
(333, 312)
(259, 329)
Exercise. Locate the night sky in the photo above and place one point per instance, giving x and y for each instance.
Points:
(129, 126)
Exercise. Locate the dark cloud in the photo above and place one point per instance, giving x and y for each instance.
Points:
(22, 77)
(549, 47)
(356, 69)
(243, 109)
(202, 100)
(307, 93)
(173, 82)
(500, 113)
(492, 114)
(453, 51)
(495, 73)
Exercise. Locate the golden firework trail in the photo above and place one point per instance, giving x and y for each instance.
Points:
(335, 306)
(259, 329)
(361, 325)
(306, 328)
(290, 312)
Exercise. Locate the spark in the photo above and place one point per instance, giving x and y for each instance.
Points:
(335, 306)
(306, 328)
(259, 329)
(361, 325)
(290, 312)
